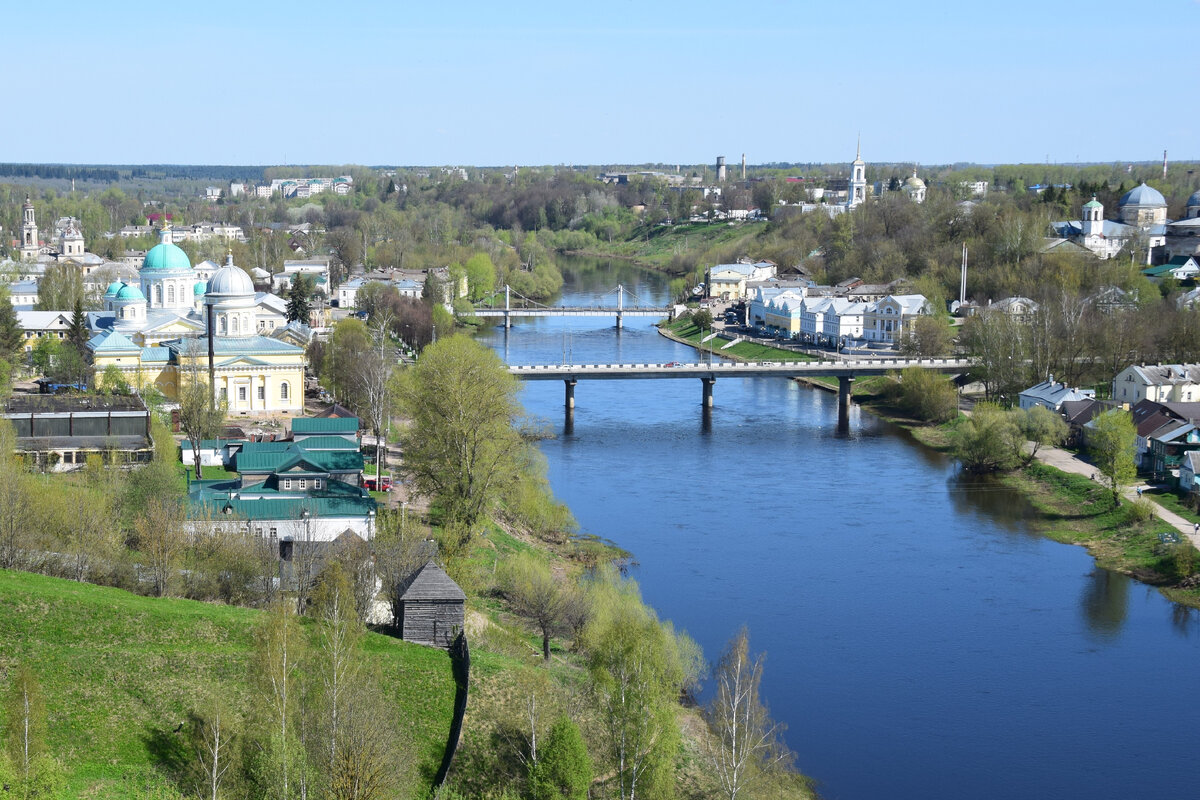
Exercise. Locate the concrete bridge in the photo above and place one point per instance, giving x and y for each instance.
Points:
(707, 373)
(531, 308)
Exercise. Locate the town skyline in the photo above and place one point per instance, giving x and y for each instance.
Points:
(534, 83)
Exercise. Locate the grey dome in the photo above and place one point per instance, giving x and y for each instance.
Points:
(1194, 200)
(1143, 195)
(230, 281)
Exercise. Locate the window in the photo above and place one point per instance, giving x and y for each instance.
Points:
(303, 483)
(262, 393)
(316, 483)
(222, 328)
(158, 294)
(287, 483)
(234, 326)
(283, 391)
(171, 295)
(224, 393)
(241, 393)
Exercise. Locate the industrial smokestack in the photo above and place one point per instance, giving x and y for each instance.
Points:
(1164, 164)
(743, 166)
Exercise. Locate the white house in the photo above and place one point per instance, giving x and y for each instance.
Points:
(1052, 395)
(35, 324)
(1188, 468)
(1162, 383)
(884, 320)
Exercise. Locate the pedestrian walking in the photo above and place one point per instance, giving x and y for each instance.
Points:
(1196, 528)
(1139, 492)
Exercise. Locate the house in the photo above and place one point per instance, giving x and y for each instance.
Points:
(1178, 383)
(23, 294)
(1077, 414)
(728, 281)
(282, 516)
(884, 321)
(432, 608)
(1019, 308)
(286, 465)
(1168, 445)
(35, 324)
(58, 432)
(1188, 468)
(1150, 417)
(1052, 395)
(1180, 268)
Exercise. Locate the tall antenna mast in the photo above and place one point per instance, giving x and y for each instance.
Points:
(962, 284)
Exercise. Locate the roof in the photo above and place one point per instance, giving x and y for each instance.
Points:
(314, 425)
(165, 257)
(1056, 393)
(328, 443)
(67, 403)
(42, 320)
(266, 504)
(1078, 412)
(112, 342)
(1143, 195)
(1191, 460)
(1167, 374)
(256, 459)
(247, 345)
(431, 582)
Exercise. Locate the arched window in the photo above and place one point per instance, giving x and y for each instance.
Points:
(171, 295)
(221, 329)
(234, 323)
(158, 294)
(283, 391)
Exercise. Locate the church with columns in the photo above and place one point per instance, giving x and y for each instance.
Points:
(155, 333)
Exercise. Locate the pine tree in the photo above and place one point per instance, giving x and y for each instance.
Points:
(300, 299)
(77, 331)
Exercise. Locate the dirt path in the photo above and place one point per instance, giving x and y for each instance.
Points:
(1069, 462)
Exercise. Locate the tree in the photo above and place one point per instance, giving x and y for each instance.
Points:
(481, 276)
(161, 538)
(924, 394)
(564, 770)
(532, 592)
(17, 506)
(1042, 427)
(374, 390)
(461, 447)
(638, 669)
(214, 730)
(11, 337)
(45, 352)
(77, 330)
(60, 288)
(342, 360)
(702, 319)
(988, 441)
(299, 302)
(200, 415)
(37, 774)
(927, 336)
(746, 744)
(281, 648)
(1113, 444)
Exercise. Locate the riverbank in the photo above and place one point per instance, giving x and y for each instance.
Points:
(1149, 545)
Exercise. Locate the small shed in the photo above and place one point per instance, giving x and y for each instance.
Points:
(432, 608)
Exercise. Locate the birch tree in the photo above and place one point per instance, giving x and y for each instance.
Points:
(745, 744)
(281, 651)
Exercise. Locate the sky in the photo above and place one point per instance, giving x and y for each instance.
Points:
(610, 83)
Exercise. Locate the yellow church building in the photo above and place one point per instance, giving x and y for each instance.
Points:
(162, 341)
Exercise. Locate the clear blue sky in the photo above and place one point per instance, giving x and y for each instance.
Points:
(621, 81)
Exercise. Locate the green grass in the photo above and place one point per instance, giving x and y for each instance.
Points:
(120, 671)
(1172, 502)
(743, 351)
(1073, 509)
(657, 245)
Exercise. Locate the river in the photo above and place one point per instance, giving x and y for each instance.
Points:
(922, 642)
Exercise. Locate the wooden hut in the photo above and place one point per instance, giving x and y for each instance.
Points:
(431, 608)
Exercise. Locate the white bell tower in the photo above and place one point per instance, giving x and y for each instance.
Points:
(29, 232)
(858, 180)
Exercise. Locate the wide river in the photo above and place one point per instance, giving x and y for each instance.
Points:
(922, 642)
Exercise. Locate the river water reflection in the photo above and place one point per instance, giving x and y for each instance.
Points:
(922, 642)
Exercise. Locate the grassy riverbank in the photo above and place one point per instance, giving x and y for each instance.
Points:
(685, 332)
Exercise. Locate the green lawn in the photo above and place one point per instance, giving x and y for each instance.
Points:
(743, 351)
(119, 672)
(1171, 501)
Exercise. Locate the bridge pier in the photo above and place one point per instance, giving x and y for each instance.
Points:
(707, 399)
(570, 396)
(618, 320)
(845, 383)
(507, 319)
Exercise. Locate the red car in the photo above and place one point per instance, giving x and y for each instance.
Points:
(385, 484)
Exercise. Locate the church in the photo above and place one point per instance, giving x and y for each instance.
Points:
(1142, 221)
(154, 333)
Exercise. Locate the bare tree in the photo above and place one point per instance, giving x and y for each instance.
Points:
(281, 650)
(161, 537)
(213, 730)
(745, 742)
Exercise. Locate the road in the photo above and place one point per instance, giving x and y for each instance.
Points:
(1069, 462)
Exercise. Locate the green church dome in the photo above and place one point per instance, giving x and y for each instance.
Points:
(164, 257)
(113, 288)
(130, 292)
(199, 288)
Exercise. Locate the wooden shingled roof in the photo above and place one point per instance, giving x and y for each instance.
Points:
(431, 582)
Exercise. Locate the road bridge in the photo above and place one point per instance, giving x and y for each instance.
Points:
(708, 372)
(532, 308)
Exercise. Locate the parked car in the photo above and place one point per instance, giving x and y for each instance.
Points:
(385, 484)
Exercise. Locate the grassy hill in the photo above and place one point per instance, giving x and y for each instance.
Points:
(120, 672)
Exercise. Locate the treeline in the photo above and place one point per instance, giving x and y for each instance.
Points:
(113, 173)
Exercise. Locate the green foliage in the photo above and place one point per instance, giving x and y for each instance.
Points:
(563, 770)
(461, 448)
(702, 318)
(1042, 427)
(923, 394)
(481, 276)
(927, 336)
(299, 302)
(11, 336)
(113, 382)
(1113, 444)
(989, 440)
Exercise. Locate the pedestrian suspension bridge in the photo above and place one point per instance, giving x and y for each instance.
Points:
(517, 305)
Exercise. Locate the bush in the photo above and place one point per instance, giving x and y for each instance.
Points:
(923, 394)
(1139, 511)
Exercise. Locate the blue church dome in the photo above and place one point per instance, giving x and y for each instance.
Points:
(130, 292)
(1143, 195)
(113, 288)
(164, 257)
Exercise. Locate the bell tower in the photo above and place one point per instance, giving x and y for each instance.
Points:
(1093, 218)
(29, 232)
(858, 179)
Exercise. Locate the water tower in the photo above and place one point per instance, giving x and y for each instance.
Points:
(720, 169)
